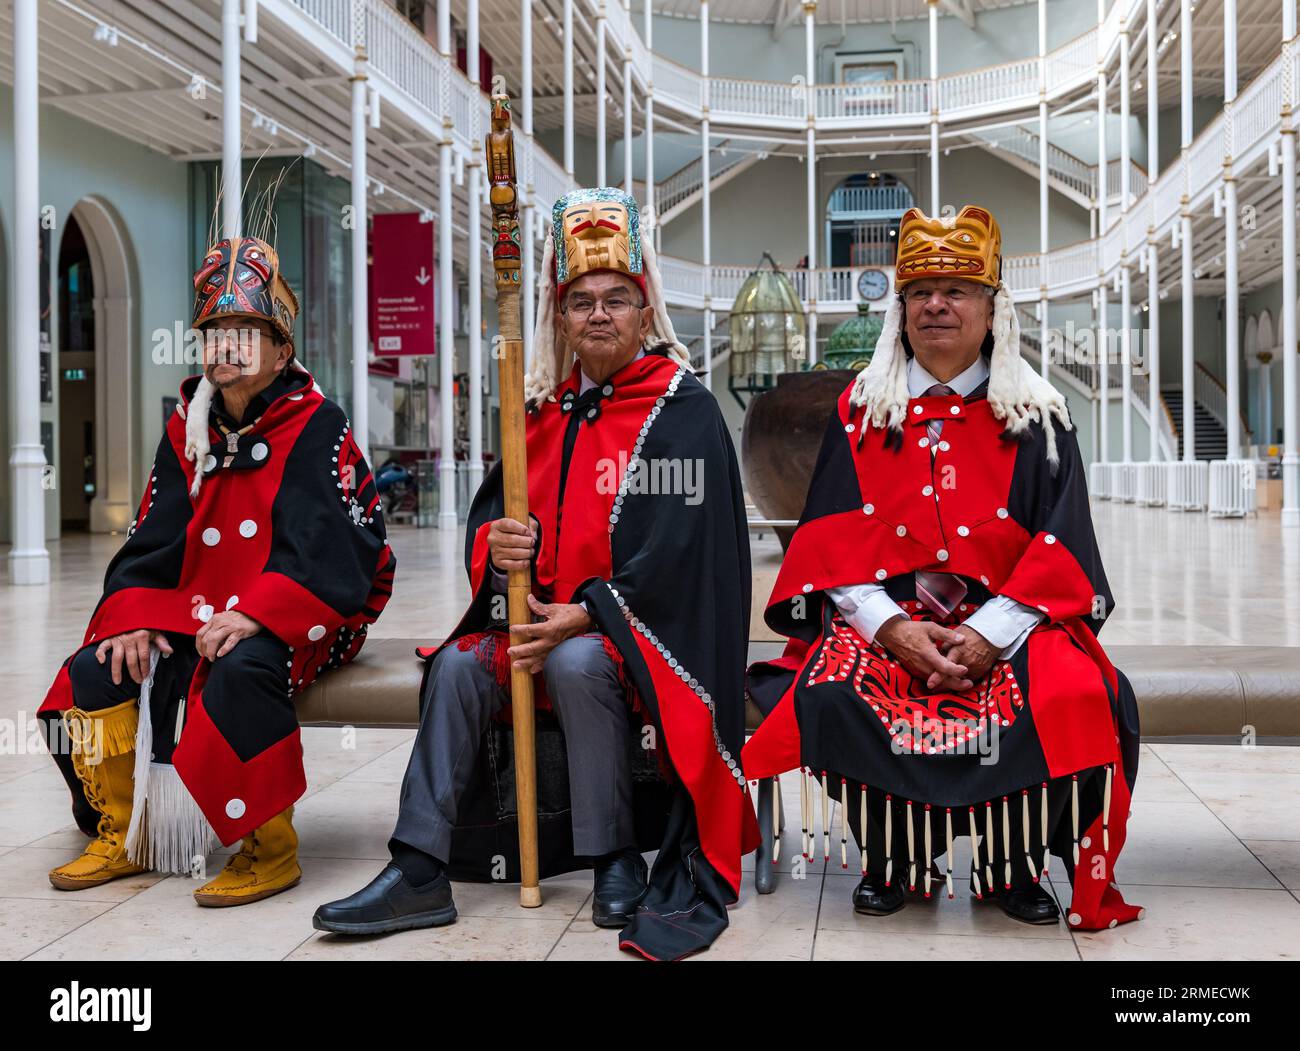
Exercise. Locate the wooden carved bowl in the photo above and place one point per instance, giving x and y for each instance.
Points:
(782, 434)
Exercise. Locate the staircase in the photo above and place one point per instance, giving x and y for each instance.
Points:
(684, 187)
(1066, 174)
(1211, 437)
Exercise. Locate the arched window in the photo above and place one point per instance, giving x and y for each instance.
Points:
(1266, 339)
(862, 219)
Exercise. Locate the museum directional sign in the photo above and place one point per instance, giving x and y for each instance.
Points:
(402, 282)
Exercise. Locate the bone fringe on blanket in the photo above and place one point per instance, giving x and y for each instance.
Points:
(990, 852)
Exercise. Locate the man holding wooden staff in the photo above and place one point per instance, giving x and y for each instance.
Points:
(638, 549)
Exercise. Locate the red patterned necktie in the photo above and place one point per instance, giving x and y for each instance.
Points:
(940, 592)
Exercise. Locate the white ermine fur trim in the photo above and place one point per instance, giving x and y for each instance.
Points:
(1016, 393)
(197, 446)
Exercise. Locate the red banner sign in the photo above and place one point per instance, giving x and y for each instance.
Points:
(401, 285)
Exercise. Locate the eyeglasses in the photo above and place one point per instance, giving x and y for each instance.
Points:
(951, 296)
(582, 307)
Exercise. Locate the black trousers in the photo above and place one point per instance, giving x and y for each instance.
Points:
(246, 693)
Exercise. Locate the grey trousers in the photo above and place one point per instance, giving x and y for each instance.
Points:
(462, 696)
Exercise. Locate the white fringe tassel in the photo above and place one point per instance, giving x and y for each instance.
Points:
(776, 820)
(168, 830)
(1024, 822)
(947, 823)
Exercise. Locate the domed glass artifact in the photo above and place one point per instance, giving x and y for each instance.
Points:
(767, 330)
(851, 344)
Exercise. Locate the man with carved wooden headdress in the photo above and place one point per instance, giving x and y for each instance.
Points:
(256, 561)
(942, 596)
(639, 552)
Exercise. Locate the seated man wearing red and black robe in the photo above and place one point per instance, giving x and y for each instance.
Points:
(942, 596)
(256, 562)
(640, 559)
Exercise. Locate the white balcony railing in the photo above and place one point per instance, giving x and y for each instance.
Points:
(889, 200)
(405, 63)
(735, 100)
(878, 101)
(993, 89)
(1137, 180)
(334, 16)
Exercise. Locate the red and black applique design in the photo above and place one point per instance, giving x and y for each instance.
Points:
(943, 719)
(268, 536)
(680, 642)
(240, 277)
(227, 286)
(879, 509)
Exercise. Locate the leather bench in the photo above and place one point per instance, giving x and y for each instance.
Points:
(1182, 691)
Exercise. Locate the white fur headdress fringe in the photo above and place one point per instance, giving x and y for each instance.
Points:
(1016, 393)
(551, 364)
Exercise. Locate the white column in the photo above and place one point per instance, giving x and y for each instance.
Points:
(446, 292)
(810, 66)
(360, 237)
(1231, 292)
(474, 215)
(706, 196)
(527, 242)
(600, 95)
(1154, 404)
(627, 120)
(1103, 315)
(568, 88)
(1290, 456)
(1189, 300)
(934, 106)
(29, 561)
(1103, 367)
(232, 178)
(1043, 173)
(1125, 276)
(472, 70)
(649, 209)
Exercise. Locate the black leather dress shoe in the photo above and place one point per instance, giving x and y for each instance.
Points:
(872, 898)
(388, 903)
(1031, 904)
(620, 886)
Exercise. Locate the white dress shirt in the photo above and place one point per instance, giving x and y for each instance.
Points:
(1003, 621)
(499, 579)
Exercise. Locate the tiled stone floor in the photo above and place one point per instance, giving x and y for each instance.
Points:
(1214, 838)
